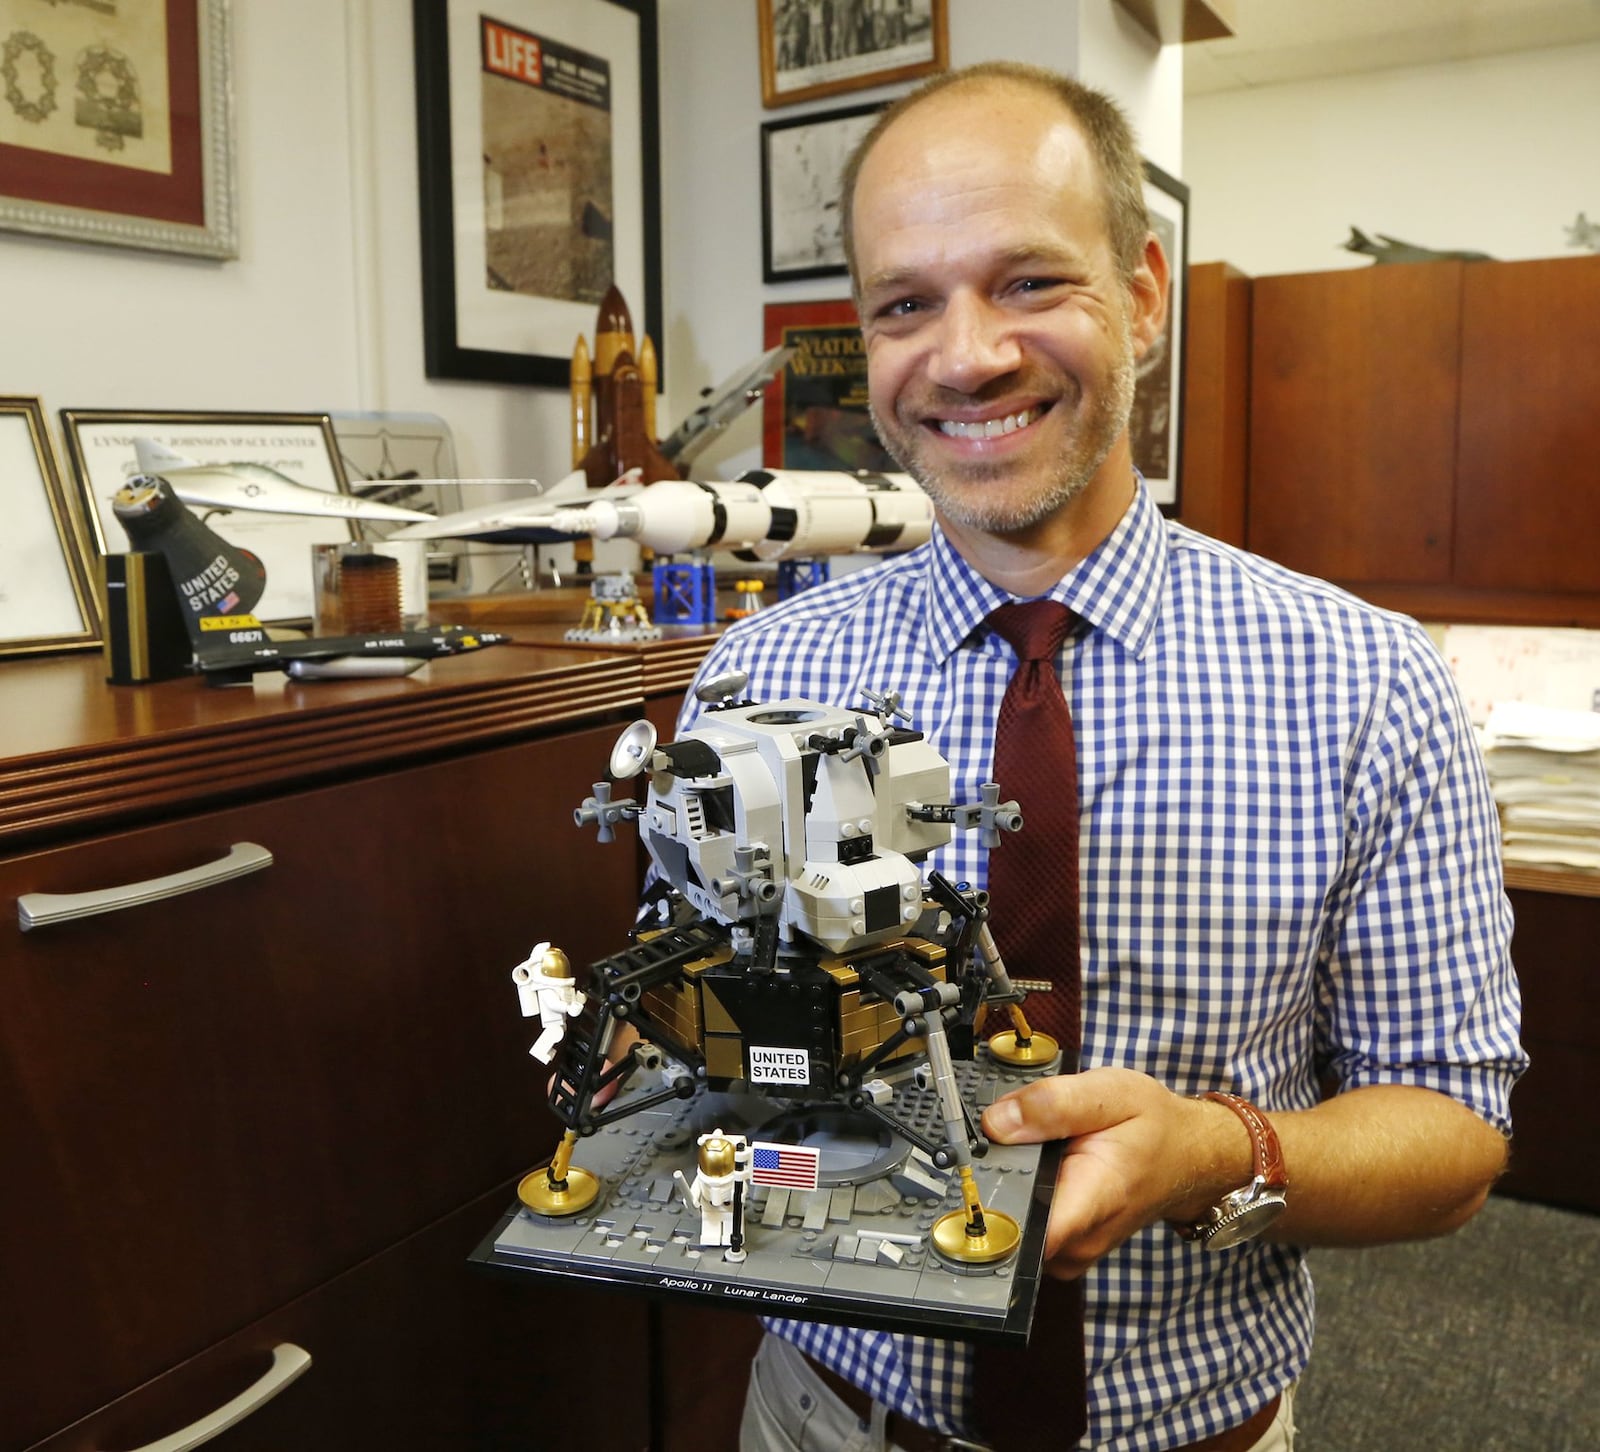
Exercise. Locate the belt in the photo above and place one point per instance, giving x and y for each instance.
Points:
(914, 1437)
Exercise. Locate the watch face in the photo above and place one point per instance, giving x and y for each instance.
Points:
(1245, 1214)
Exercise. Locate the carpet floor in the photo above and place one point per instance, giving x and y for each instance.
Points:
(1485, 1341)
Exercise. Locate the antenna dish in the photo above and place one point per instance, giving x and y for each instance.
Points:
(633, 750)
(722, 688)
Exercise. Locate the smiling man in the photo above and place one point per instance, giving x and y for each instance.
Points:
(1288, 855)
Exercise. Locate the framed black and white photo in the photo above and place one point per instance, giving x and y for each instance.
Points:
(1156, 428)
(118, 124)
(801, 162)
(537, 132)
(47, 596)
(816, 48)
(301, 446)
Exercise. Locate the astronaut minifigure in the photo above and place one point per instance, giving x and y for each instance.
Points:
(717, 1193)
(545, 987)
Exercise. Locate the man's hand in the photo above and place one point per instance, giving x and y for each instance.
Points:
(1136, 1153)
(1380, 1163)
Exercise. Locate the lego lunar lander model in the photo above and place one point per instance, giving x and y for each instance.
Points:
(794, 972)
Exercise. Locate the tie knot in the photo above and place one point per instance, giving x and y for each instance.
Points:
(1034, 628)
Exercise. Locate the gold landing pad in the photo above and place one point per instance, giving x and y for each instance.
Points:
(534, 1191)
(1038, 1053)
(950, 1239)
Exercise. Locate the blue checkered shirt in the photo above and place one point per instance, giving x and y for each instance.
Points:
(1290, 868)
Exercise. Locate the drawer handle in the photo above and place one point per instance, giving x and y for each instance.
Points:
(41, 909)
(288, 1361)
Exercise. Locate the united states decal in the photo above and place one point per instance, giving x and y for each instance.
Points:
(792, 1166)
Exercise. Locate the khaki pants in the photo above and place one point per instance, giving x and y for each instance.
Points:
(789, 1408)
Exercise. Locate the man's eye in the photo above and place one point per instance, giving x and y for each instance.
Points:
(901, 307)
(1036, 284)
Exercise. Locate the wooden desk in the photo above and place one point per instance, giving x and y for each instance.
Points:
(281, 1109)
(1554, 1108)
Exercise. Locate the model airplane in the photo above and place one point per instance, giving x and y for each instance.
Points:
(256, 487)
(218, 586)
(722, 406)
(1584, 233)
(794, 948)
(1382, 248)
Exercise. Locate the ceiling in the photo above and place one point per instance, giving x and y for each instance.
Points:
(1294, 40)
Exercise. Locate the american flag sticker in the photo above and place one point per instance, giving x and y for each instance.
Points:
(790, 1165)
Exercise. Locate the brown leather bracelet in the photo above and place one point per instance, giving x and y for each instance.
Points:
(1263, 1138)
(1246, 1211)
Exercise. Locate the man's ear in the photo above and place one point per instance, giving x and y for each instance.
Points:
(1148, 291)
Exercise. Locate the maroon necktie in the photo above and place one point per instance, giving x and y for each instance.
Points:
(1033, 876)
(1036, 1398)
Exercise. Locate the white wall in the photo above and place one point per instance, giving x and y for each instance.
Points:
(1496, 155)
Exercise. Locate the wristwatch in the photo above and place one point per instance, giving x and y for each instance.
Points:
(1244, 1213)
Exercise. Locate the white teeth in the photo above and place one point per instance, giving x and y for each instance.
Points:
(989, 428)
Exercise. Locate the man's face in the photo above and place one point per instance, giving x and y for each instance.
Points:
(1000, 336)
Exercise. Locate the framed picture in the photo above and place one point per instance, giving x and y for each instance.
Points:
(47, 598)
(100, 444)
(1156, 428)
(118, 123)
(540, 180)
(816, 48)
(801, 163)
(815, 413)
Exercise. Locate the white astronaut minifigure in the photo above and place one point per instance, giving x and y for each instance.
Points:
(545, 987)
(717, 1193)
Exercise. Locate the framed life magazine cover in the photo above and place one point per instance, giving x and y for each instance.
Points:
(537, 135)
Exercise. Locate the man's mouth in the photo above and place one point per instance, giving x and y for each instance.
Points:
(992, 428)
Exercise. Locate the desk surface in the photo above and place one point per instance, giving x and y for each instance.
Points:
(78, 754)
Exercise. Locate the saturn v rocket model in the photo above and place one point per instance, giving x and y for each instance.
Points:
(794, 948)
(765, 514)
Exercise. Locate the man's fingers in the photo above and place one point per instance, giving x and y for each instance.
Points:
(1032, 1114)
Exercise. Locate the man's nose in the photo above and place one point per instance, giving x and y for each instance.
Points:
(976, 344)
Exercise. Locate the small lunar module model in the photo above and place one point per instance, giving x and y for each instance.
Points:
(778, 1085)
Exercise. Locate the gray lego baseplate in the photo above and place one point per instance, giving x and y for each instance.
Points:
(856, 1250)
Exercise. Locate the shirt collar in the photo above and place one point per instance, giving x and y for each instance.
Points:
(1117, 590)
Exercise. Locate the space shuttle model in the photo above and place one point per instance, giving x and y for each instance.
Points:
(614, 401)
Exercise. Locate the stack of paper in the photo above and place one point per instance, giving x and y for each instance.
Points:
(1544, 767)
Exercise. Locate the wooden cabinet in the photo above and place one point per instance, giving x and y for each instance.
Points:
(1528, 475)
(410, 1349)
(1556, 1117)
(293, 1101)
(1353, 405)
(1216, 421)
(1423, 434)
